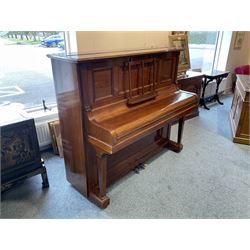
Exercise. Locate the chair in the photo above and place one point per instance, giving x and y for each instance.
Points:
(242, 70)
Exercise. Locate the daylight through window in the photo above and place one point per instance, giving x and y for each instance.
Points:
(25, 73)
(202, 49)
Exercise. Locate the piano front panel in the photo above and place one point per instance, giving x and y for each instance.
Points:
(142, 76)
(103, 83)
(165, 74)
(100, 82)
(149, 75)
(125, 160)
(109, 81)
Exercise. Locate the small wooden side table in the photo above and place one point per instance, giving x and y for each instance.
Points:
(218, 76)
(192, 82)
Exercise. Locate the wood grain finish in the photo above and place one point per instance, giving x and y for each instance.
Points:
(239, 114)
(192, 82)
(71, 123)
(116, 111)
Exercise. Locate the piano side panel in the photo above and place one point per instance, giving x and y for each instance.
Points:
(69, 109)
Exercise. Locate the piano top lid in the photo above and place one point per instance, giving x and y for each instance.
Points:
(74, 57)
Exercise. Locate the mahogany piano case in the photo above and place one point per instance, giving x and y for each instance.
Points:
(116, 111)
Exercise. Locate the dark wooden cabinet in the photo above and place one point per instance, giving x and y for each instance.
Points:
(192, 82)
(239, 114)
(20, 155)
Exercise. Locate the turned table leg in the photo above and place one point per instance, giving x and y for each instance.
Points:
(216, 97)
(202, 100)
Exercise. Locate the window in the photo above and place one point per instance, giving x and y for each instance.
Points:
(25, 73)
(202, 49)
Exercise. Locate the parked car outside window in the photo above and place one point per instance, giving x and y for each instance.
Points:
(61, 45)
(52, 41)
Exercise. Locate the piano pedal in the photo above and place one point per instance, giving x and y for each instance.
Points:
(142, 166)
(136, 170)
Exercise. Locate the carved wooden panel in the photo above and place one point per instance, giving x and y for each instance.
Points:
(135, 77)
(103, 83)
(141, 79)
(149, 75)
(239, 113)
(20, 154)
(236, 107)
(127, 77)
(19, 145)
(100, 81)
(165, 72)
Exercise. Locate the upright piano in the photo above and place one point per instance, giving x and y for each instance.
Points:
(116, 110)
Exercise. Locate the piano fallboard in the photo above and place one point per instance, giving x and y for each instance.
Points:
(115, 130)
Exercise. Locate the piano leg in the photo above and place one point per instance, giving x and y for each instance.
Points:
(159, 133)
(180, 130)
(168, 131)
(176, 146)
(98, 195)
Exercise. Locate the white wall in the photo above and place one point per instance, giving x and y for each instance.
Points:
(102, 41)
(71, 42)
(223, 50)
(238, 57)
(98, 41)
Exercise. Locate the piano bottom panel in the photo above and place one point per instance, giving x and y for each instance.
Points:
(122, 162)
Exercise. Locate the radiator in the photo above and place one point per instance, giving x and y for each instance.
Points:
(42, 128)
(43, 135)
